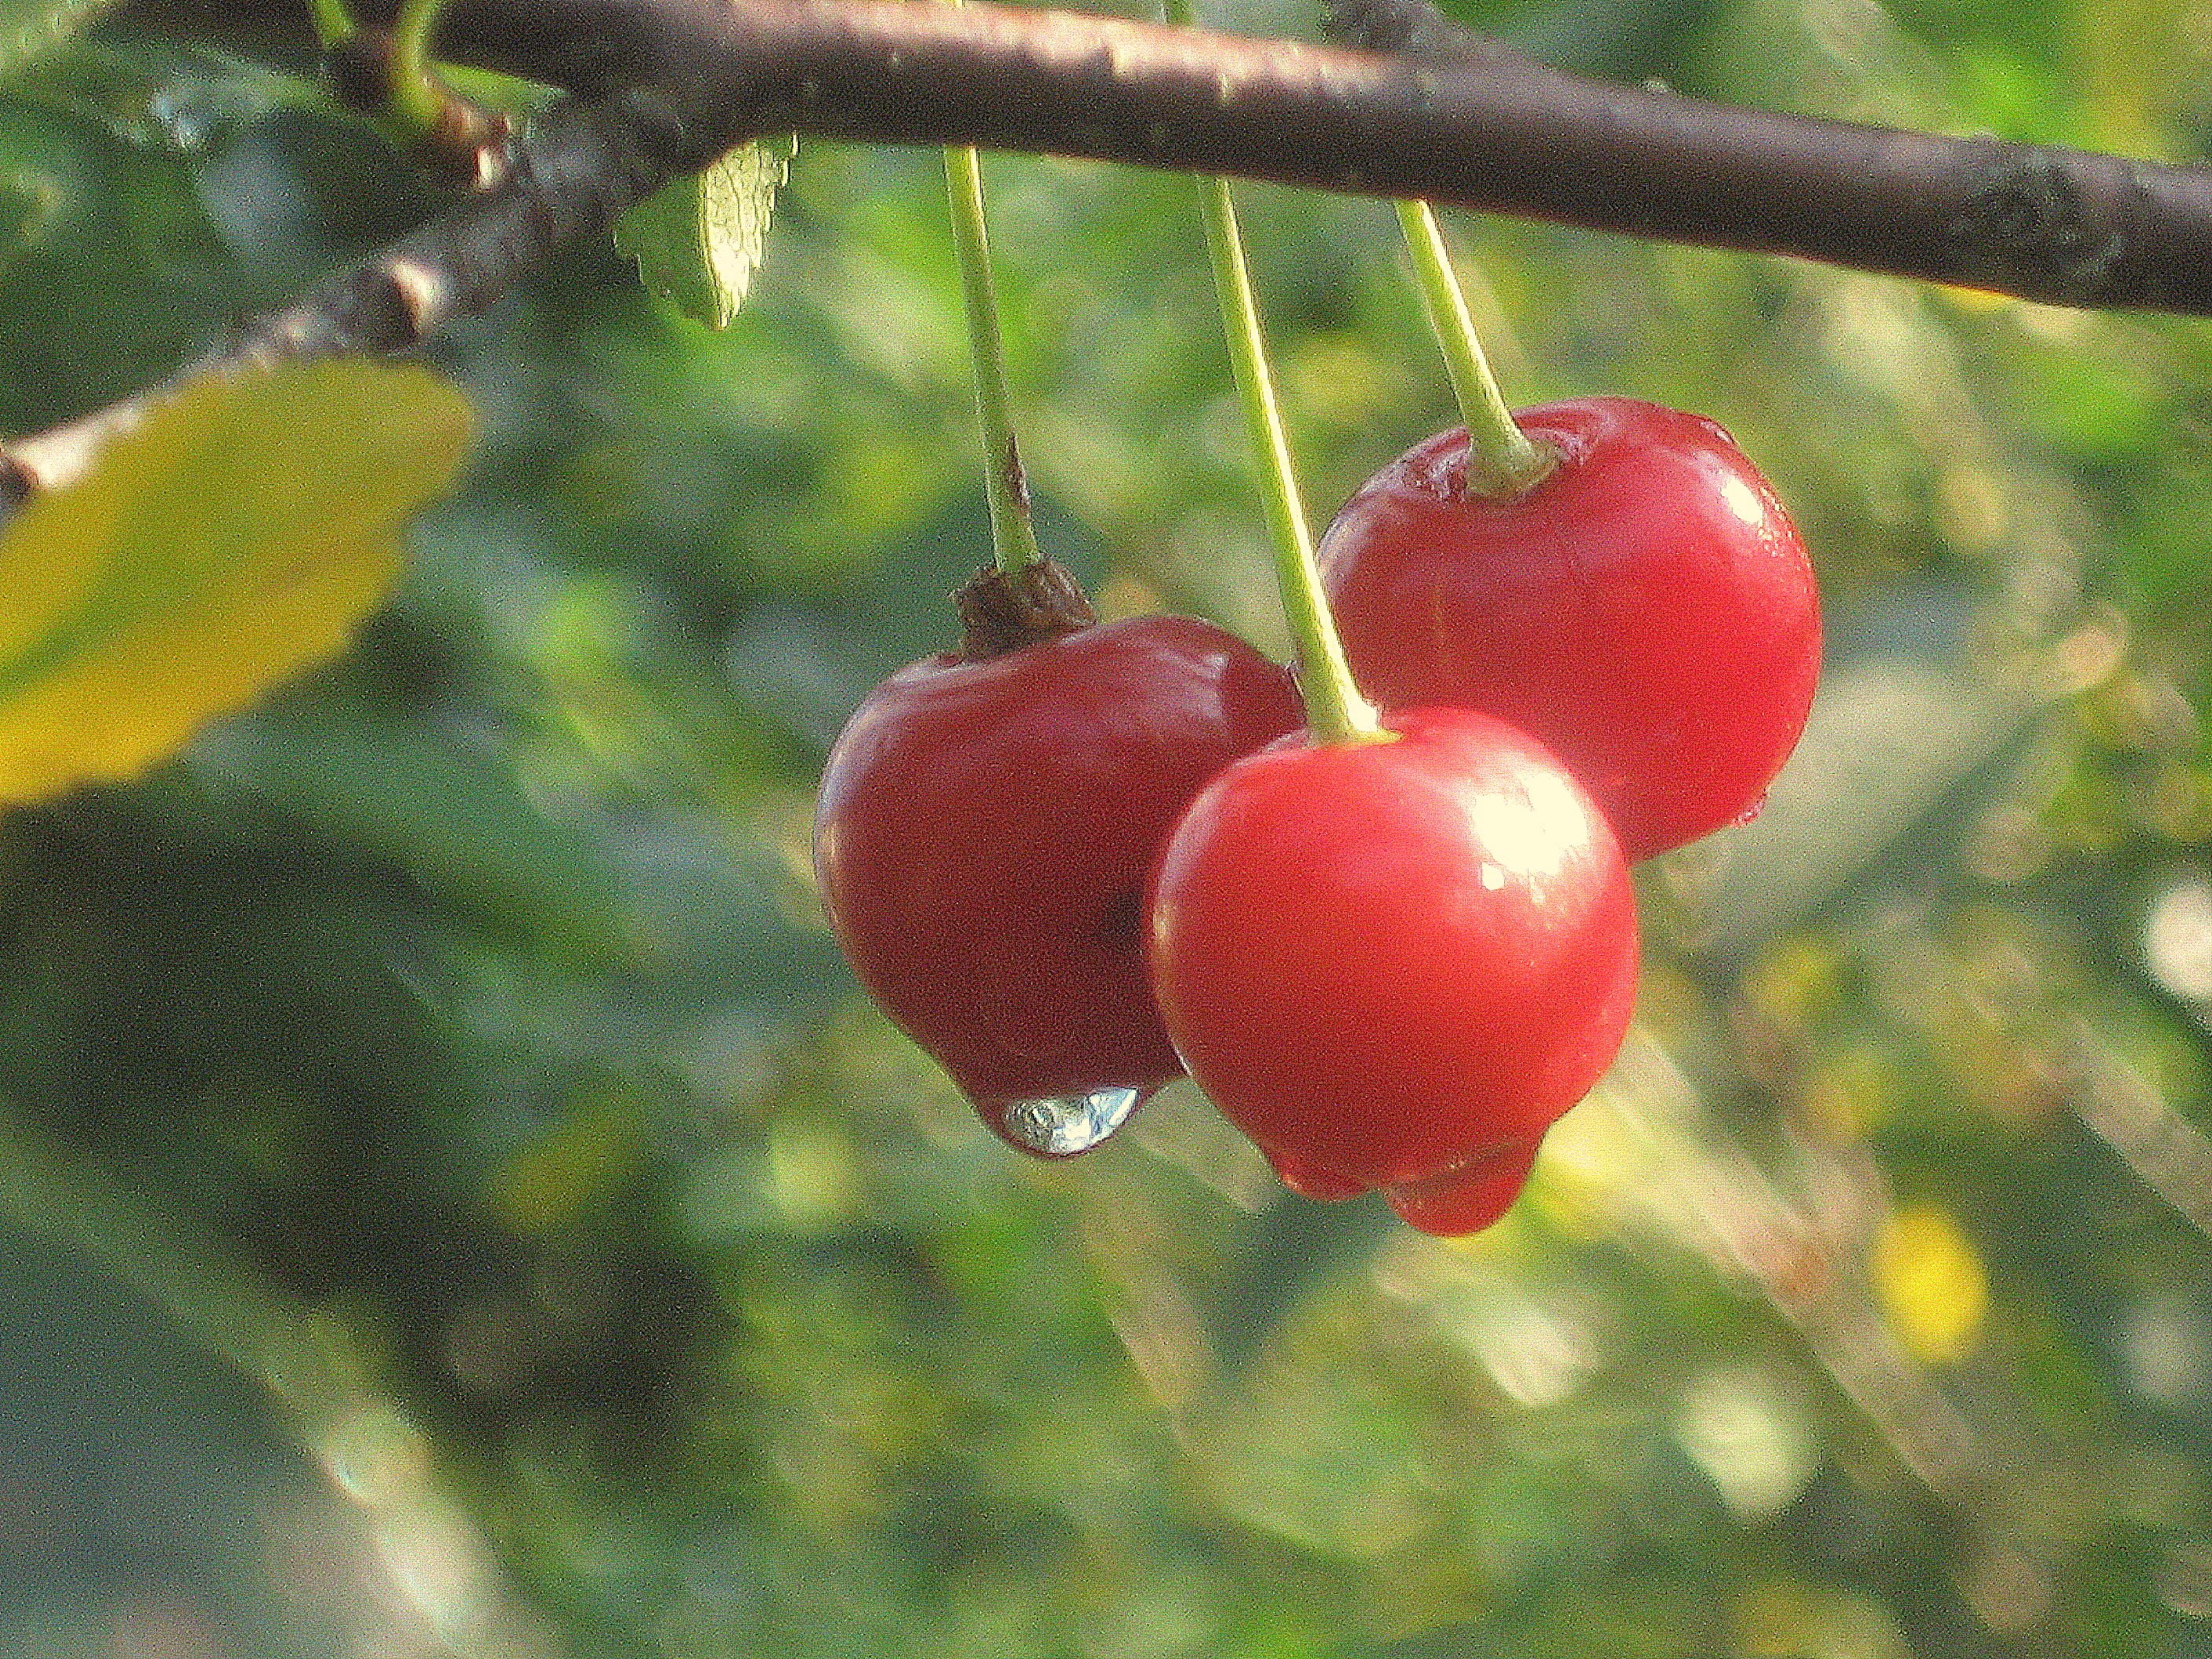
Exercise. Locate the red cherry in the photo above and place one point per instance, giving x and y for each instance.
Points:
(982, 838)
(1396, 964)
(1646, 609)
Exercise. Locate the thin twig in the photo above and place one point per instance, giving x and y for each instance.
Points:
(571, 175)
(1458, 122)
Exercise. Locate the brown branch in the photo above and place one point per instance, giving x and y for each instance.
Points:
(1481, 129)
(1447, 117)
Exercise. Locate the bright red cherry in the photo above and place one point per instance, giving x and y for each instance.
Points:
(1395, 964)
(1646, 608)
(986, 824)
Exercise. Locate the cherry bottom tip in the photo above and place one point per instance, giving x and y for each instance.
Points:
(1469, 1196)
(1309, 1180)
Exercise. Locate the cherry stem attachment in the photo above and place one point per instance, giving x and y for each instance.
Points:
(1502, 460)
(386, 75)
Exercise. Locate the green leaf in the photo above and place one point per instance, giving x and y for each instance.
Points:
(698, 240)
(30, 29)
(235, 537)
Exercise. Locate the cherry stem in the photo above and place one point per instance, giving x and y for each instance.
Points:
(1014, 536)
(1335, 710)
(1502, 460)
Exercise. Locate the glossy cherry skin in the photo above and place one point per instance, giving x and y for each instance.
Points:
(1395, 964)
(982, 837)
(1647, 609)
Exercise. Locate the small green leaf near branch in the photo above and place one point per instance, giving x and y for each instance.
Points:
(698, 239)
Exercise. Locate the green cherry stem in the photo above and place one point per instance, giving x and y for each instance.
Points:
(1013, 537)
(417, 98)
(1335, 710)
(1501, 459)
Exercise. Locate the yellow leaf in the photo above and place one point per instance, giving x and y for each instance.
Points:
(240, 534)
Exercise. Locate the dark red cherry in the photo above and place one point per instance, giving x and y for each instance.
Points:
(985, 828)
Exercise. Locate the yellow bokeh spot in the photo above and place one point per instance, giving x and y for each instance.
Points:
(1932, 1286)
(596, 1144)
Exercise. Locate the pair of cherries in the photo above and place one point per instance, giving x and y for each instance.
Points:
(1073, 860)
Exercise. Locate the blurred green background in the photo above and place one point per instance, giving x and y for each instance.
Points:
(453, 1199)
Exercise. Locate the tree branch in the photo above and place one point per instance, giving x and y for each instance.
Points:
(1444, 115)
(578, 169)
(1476, 128)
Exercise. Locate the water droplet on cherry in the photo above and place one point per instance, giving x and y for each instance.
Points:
(1061, 1126)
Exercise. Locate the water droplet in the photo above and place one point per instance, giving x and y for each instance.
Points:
(1750, 812)
(1061, 1126)
(1470, 1195)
